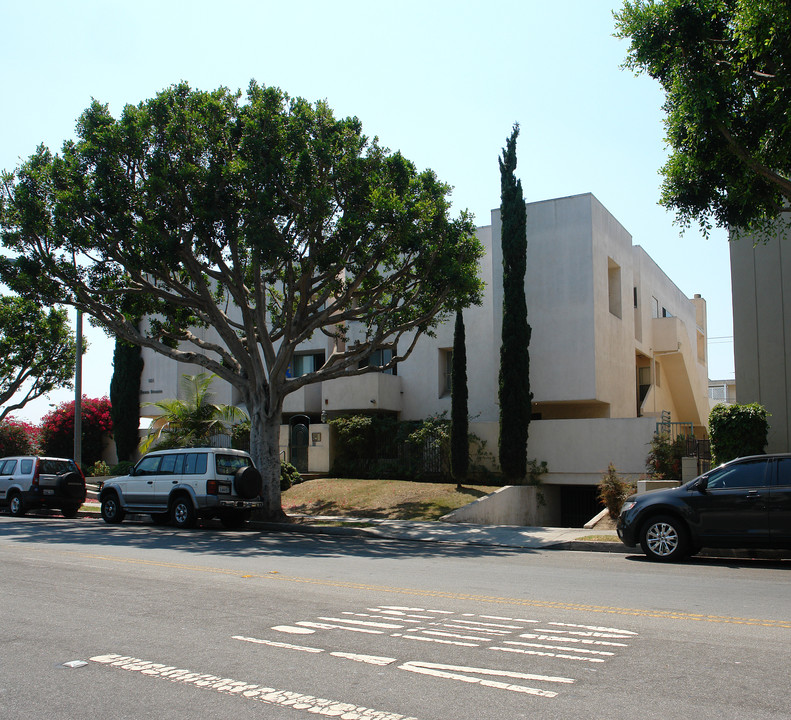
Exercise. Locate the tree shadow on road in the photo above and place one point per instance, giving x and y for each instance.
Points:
(211, 538)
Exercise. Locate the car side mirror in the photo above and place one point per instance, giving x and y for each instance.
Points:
(702, 484)
(132, 472)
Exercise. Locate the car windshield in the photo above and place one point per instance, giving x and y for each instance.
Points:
(229, 464)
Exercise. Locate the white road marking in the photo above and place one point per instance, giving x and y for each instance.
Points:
(369, 659)
(477, 629)
(557, 647)
(327, 626)
(411, 609)
(272, 643)
(583, 633)
(364, 623)
(401, 616)
(435, 640)
(556, 638)
(293, 630)
(542, 653)
(460, 672)
(456, 636)
(228, 686)
(593, 627)
(507, 619)
(490, 625)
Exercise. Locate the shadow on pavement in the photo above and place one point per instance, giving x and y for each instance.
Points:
(211, 537)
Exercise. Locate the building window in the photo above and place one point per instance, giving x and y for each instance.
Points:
(654, 307)
(643, 382)
(614, 286)
(379, 357)
(445, 371)
(305, 363)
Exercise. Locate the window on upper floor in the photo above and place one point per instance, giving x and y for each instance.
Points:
(614, 286)
(304, 363)
(654, 307)
(380, 357)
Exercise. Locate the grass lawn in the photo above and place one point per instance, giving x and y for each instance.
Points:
(394, 499)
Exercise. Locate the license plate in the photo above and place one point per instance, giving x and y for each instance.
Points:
(225, 490)
(49, 492)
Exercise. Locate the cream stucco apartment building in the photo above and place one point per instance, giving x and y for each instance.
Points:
(761, 291)
(615, 347)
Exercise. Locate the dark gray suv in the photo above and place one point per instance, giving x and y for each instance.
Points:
(32, 482)
(745, 503)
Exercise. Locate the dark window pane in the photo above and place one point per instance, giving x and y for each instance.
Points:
(743, 475)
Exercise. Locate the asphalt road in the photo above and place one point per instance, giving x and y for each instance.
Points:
(160, 623)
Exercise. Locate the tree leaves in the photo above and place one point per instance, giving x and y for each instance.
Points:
(725, 67)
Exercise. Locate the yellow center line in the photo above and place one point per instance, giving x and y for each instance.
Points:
(414, 592)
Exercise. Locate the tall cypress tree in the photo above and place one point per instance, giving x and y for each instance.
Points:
(514, 390)
(459, 421)
(125, 398)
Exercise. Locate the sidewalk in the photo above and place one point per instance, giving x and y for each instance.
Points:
(506, 536)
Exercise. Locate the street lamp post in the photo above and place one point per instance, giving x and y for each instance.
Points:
(78, 394)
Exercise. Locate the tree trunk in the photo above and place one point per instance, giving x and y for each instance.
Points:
(265, 451)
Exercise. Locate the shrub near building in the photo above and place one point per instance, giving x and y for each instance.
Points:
(18, 438)
(57, 430)
(737, 430)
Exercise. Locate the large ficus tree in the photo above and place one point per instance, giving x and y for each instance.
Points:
(238, 228)
(725, 67)
(37, 352)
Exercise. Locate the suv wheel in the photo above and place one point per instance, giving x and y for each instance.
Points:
(112, 512)
(16, 505)
(183, 513)
(664, 539)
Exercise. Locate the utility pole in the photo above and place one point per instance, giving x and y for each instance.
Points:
(78, 395)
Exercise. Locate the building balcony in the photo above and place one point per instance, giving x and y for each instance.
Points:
(305, 400)
(372, 391)
(668, 334)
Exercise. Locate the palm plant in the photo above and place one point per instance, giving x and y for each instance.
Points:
(192, 421)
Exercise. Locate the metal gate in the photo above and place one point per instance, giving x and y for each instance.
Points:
(298, 446)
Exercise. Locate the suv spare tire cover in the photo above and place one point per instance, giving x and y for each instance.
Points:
(247, 482)
(71, 485)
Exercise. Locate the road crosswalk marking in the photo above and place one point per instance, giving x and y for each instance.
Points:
(249, 691)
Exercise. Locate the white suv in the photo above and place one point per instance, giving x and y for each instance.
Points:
(31, 482)
(184, 484)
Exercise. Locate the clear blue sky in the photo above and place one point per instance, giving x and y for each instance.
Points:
(441, 81)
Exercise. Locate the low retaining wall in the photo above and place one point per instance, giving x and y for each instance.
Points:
(525, 505)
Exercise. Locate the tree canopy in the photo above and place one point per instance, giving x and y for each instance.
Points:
(37, 352)
(725, 67)
(239, 229)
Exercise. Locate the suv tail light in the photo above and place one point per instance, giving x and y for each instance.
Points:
(212, 487)
(34, 481)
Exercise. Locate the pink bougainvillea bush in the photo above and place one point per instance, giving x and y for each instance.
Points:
(18, 437)
(57, 429)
